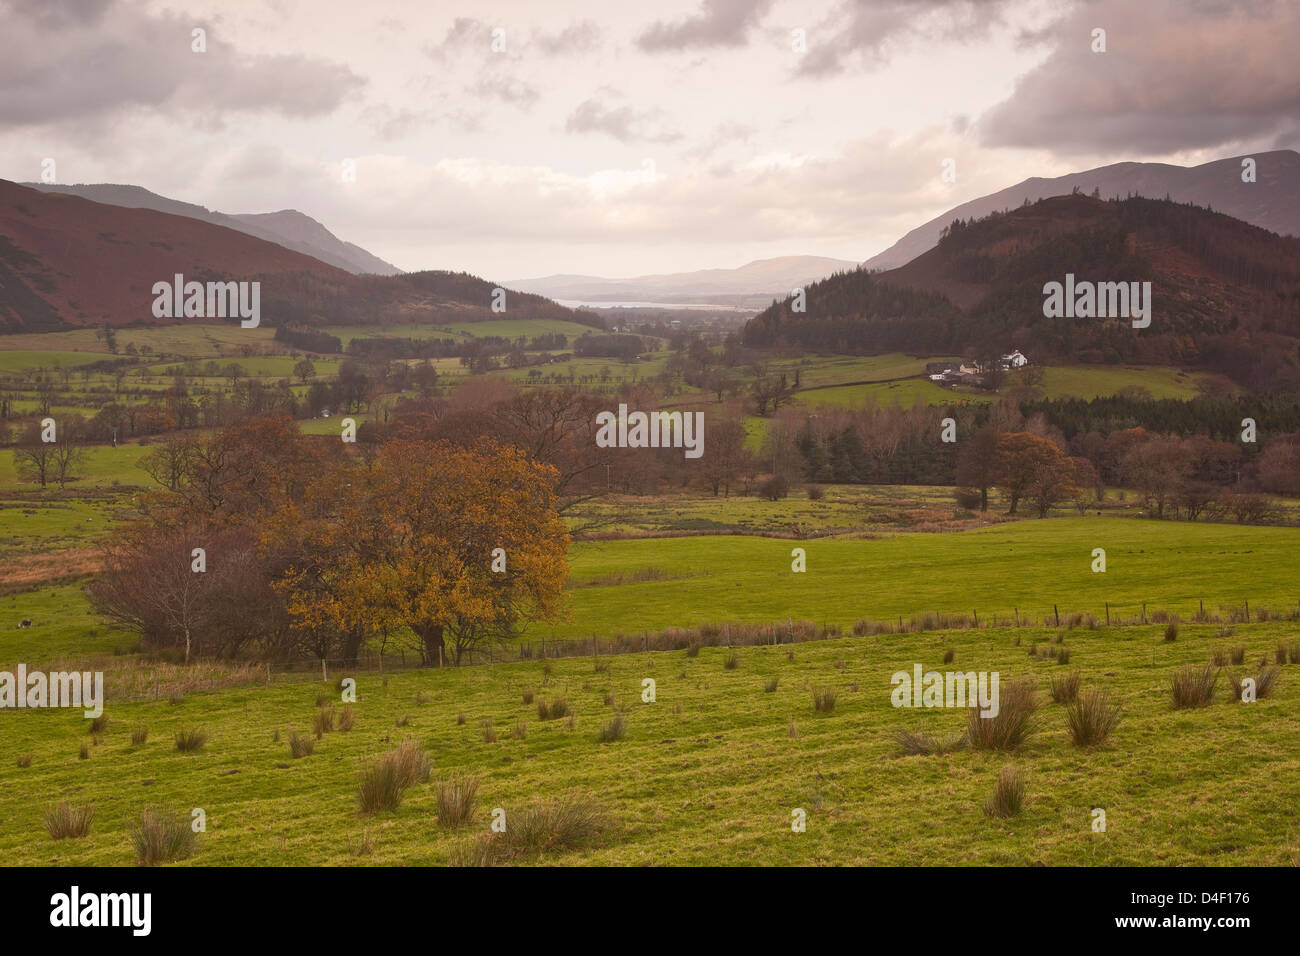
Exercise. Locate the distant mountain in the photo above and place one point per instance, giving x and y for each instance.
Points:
(68, 262)
(763, 277)
(1225, 294)
(1272, 202)
(288, 227)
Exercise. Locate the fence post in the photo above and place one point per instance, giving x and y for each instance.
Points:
(1247, 610)
(1058, 615)
(1017, 610)
(1144, 612)
(1108, 614)
(324, 674)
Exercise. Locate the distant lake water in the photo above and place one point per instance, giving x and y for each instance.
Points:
(582, 304)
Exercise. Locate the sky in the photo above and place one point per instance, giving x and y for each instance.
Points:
(516, 139)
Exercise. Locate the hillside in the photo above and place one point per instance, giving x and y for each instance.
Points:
(763, 276)
(288, 227)
(1272, 203)
(1226, 294)
(68, 262)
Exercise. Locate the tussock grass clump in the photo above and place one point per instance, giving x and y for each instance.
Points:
(1279, 655)
(1238, 655)
(300, 746)
(84, 752)
(602, 667)
(347, 718)
(24, 760)
(614, 730)
(191, 741)
(1062, 655)
(364, 846)
(558, 708)
(1265, 680)
(489, 732)
(568, 823)
(67, 822)
(405, 720)
(520, 730)
(770, 684)
(948, 656)
(1092, 717)
(1193, 686)
(139, 735)
(455, 801)
(1013, 723)
(389, 776)
(1171, 632)
(790, 729)
(1219, 657)
(176, 698)
(824, 700)
(460, 718)
(529, 694)
(422, 697)
(731, 661)
(921, 743)
(99, 724)
(1008, 794)
(162, 837)
(693, 648)
(323, 722)
(1294, 652)
(1065, 690)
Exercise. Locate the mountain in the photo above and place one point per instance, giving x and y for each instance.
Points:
(763, 277)
(1272, 202)
(288, 228)
(68, 262)
(1225, 294)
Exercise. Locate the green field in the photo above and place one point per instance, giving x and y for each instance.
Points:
(709, 773)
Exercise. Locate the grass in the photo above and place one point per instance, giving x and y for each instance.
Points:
(65, 821)
(1008, 794)
(1092, 717)
(1212, 785)
(160, 836)
(387, 778)
(1011, 725)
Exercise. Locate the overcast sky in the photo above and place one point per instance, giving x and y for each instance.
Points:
(618, 139)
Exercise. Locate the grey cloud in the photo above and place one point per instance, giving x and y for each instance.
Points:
(1176, 76)
(575, 38)
(719, 23)
(513, 92)
(862, 32)
(624, 123)
(69, 61)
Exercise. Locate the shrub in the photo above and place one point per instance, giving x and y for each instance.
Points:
(190, 741)
(139, 735)
(770, 684)
(815, 492)
(775, 488)
(1013, 722)
(300, 746)
(455, 801)
(1065, 690)
(347, 718)
(614, 730)
(388, 777)
(567, 823)
(323, 722)
(1091, 717)
(1193, 686)
(824, 700)
(1008, 794)
(731, 661)
(161, 837)
(920, 743)
(64, 821)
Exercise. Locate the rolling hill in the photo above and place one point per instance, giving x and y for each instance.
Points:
(288, 227)
(68, 262)
(1226, 294)
(1272, 202)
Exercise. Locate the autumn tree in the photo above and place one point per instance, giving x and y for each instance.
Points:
(1032, 467)
(460, 545)
(978, 463)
